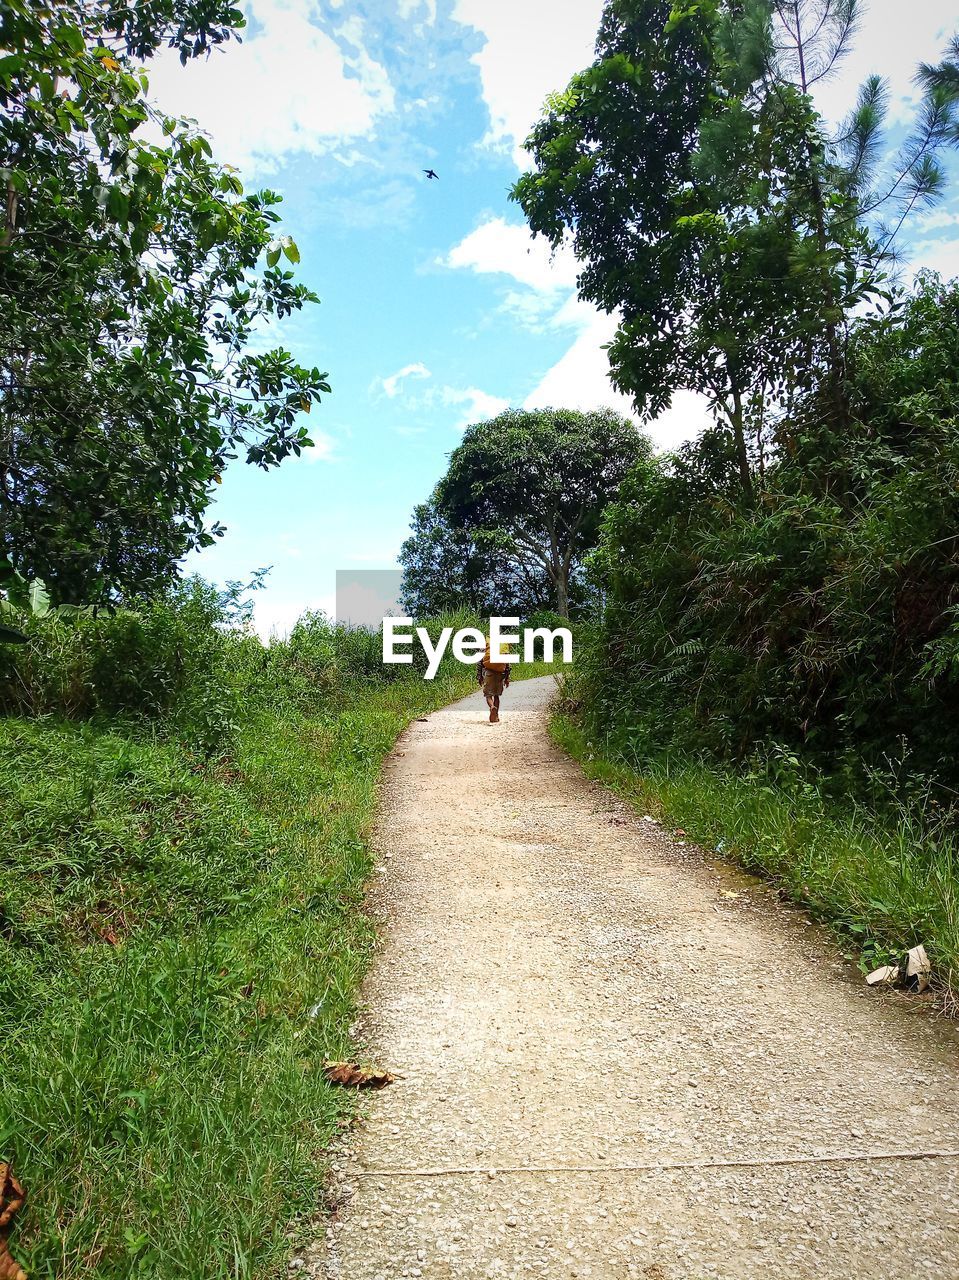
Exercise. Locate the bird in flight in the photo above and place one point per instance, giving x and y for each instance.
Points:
(431, 173)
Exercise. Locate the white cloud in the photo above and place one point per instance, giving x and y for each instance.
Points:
(478, 405)
(936, 219)
(548, 297)
(323, 450)
(391, 385)
(575, 312)
(532, 48)
(893, 39)
(275, 616)
(682, 421)
(531, 310)
(933, 255)
(289, 87)
(938, 251)
(538, 312)
(580, 380)
(475, 404)
(498, 247)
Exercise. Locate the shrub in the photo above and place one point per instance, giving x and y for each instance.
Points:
(824, 615)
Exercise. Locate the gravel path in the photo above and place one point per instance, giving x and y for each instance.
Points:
(609, 1066)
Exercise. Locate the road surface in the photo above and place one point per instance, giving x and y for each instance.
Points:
(617, 1058)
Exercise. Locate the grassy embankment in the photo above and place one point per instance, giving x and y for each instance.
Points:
(184, 822)
(882, 881)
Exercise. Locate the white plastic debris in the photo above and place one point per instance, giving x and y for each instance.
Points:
(918, 968)
(886, 973)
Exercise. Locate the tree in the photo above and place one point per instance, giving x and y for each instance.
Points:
(446, 569)
(825, 618)
(708, 207)
(130, 286)
(530, 486)
(434, 559)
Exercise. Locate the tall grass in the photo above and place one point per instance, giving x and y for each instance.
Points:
(184, 822)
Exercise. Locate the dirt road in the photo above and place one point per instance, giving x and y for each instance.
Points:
(611, 1068)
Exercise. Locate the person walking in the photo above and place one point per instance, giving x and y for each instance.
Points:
(493, 680)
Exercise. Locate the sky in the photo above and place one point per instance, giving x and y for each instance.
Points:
(438, 309)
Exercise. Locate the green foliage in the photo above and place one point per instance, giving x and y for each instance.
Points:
(181, 666)
(167, 661)
(790, 580)
(825, 617)
(448, 568)
(129, 291)
(527, 491)
(184, 822)
(709, 206)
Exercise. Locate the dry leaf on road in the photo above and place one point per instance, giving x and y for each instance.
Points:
(885, 973)
(352, 1076)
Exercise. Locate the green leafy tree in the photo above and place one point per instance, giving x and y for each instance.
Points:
(132, 279)
(825, 617)
(530, 486)
(446, 569)
(710, 209)
(434, 559)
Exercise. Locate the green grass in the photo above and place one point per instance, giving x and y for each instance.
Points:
(883, 883)
(180, 949)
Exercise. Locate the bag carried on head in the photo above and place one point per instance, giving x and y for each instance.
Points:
(493, 666)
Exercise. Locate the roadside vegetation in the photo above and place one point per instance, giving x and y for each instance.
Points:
(780, 677)
(184, 810)
(767, 621)
(771, 650)
(184, 821)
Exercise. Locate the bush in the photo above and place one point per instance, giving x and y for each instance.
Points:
(171, 662)
(824, 615)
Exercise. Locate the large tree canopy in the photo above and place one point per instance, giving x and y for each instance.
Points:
(529, 488)
(446, 568)
(711, 209)
(130, 285)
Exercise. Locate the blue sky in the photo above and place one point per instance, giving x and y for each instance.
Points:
(437, 307)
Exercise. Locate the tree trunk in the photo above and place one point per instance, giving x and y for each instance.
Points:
(562, 592)
(739, 435)
(834, 381)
